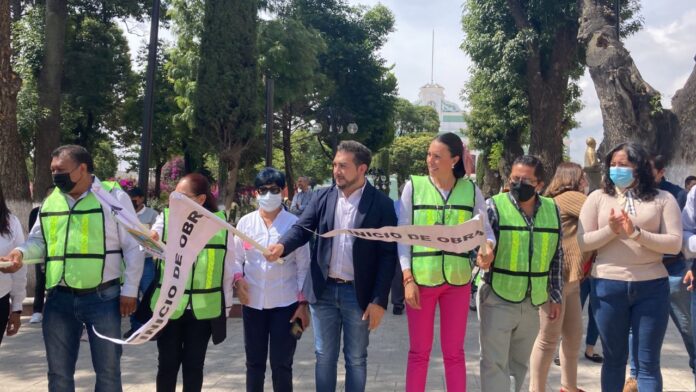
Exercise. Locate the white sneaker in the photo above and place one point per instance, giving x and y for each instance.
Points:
(36, 318)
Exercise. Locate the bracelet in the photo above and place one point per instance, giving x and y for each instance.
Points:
(635, 234)
(408, 280)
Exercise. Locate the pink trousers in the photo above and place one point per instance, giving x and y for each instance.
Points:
(454, 310)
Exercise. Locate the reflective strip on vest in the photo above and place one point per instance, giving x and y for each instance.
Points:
(75, 240)
(430, 266)
(204, 294)
(523, 254)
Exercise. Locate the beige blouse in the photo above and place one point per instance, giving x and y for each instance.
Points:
(621, 258)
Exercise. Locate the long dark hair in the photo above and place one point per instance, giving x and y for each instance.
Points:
(643, 175)
(456, 148)
(201, 186)
(4, 216)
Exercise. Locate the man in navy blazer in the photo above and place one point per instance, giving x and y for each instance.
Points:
(349, 280)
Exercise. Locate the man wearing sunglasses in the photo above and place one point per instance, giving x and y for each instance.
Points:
(349, 279)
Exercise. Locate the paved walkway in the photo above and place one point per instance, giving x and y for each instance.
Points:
(23, 363)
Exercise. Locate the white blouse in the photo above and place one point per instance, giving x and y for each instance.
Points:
(271, 284)
(15, 283)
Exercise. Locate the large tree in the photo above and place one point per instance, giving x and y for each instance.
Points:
(364, 88)
(13, 171)
(227, 92)
(47, 135)
(289, 54)
(631, 108)
(412, 118)
(526, 57)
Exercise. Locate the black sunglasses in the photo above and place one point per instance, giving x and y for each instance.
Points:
(265, 189)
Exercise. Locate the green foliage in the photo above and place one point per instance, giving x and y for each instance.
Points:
(407, 155)
(226, 99)
(498, 90)
(98, 80)
(105, 160)
(27, 45)
(656, 105)
(307, 159)
(166, 137)
(414, 118)
(363, 86)
(289, 54)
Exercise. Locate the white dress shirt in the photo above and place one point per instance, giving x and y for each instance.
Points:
(341, 265)
(15, 283)
(116, 238)
(271, 285)
(228, 271)
(406, 212)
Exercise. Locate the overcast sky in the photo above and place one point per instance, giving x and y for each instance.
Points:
(664, 52)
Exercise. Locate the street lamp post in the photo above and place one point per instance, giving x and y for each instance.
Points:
(379, 179)
(335, 126)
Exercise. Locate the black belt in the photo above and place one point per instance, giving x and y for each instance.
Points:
(339, 281)
(82, 292)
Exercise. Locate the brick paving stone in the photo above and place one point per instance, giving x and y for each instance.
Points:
(23, 363)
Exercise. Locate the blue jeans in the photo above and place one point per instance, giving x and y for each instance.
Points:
(679, 310)
(592, 333)
(64, 316)
(145, 281)
(620, 307)
(338, 309)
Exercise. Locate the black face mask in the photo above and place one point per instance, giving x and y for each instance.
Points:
(63, 182)
(522, 191)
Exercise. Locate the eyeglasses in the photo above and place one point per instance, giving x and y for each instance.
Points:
(265, 189)
(523, 179)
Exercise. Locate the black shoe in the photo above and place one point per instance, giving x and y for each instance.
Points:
(596, 358)
(557, 360)
(128, 333)
(397, 310)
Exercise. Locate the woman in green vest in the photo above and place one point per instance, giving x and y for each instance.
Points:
(202, 311)
(432, 277)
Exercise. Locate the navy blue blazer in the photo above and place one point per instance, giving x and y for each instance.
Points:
(374, 262)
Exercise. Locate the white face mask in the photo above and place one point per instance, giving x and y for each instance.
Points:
(270, 202)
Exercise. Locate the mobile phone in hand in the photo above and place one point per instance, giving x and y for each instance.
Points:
(296, 329)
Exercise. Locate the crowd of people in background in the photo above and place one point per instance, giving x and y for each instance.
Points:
(624, 249)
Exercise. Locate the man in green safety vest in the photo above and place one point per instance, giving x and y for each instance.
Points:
(525, 273)
(83, 247)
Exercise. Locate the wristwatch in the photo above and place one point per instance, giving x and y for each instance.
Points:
(17, 312)
(636, 232)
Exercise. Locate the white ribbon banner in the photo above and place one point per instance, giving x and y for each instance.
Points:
(190, 227)
(128, 220)
(456, 239)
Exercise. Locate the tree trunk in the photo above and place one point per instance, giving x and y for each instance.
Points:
(229, 163)
(158, 179)
(47, 136)
(547, 88)
(631, 109)
(13, 168)
(287, 152)
(684, 108)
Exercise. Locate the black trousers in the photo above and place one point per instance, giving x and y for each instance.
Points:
(260, 326)
(40, 290)
(397, 288)
(182, 342)
(4, 314)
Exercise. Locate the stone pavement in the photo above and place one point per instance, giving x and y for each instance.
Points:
(23, 363)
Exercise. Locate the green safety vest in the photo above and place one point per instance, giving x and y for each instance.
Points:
(203, 291)
(523, 253)
(75, 239)
(430, 266)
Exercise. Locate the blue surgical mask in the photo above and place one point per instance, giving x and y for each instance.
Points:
(621, 176)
